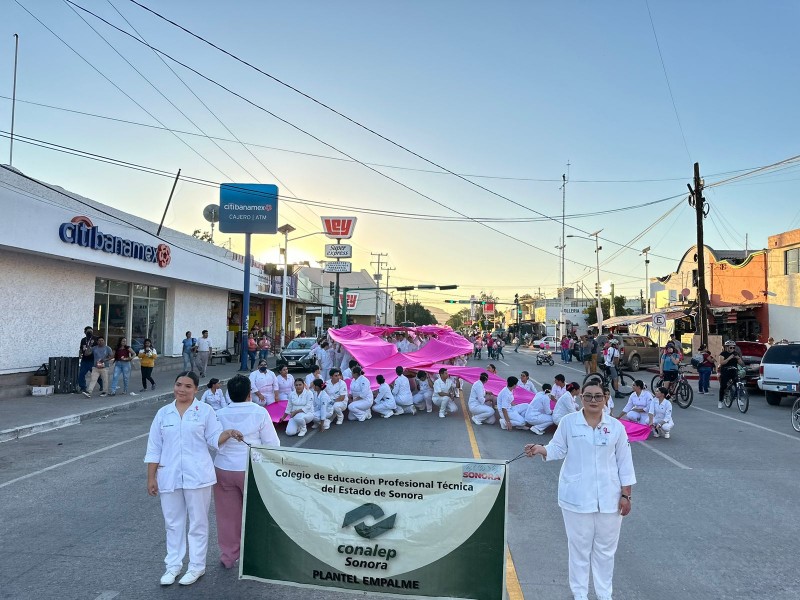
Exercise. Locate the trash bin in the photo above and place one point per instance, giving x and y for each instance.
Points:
(63, 374)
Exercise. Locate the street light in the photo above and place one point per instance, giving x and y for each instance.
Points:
(285, 230)
(646, 278)
(597, 248)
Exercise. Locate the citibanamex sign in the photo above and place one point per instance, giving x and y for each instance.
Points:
(82, 232)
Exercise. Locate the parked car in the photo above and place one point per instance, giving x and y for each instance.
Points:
(779, 373)
(550, 342)
(636, 350)
(752, 353)
(297, 354)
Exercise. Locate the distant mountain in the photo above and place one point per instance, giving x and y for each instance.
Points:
(441, 315)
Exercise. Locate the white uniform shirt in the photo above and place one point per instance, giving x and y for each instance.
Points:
(504, 399)
(204, 344)
(180, 446)
(611, 354)
(402, 390)
(216, 400)
(360, 390)
(285, 386)
(266, 383)
(323, 405)
(528, 385)
(661, 411)
(642, 401)
(558, 391)
(255, 424)
(310, 379)
(347, 373)
(477, 395)
(384, 393)
(598, 463)
(335, 390)
(540, 405)
(564, 406)
(303, 401)
(445, 387)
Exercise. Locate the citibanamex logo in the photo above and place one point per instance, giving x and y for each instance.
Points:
(164, 255)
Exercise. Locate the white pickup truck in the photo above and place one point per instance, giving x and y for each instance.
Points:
(779, 373)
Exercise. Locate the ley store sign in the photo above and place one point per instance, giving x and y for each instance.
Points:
(81, 231)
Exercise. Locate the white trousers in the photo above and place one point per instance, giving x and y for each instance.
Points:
(517, 420)
(540, 421)
(406, 403)
(298, 422)
(385, 407)
(592, 540)
(339, 408)
(423, 400)
(637, 417)
(483, 412)
(665, 425)
(176, 506)
(445, 404)
(358, 409)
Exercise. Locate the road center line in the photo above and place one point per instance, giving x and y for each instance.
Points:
(665, 456)
(107, 595)
(72, 460)
(716, 414)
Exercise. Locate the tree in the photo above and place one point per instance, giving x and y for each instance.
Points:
(457, 320)
(203, 236)
(619, 305)
(414, 312)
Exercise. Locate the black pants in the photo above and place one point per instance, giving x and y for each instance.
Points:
(725, 377)
(147, 375)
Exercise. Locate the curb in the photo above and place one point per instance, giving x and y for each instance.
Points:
(23, 431)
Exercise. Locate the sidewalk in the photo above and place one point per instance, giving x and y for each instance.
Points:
(27, 415)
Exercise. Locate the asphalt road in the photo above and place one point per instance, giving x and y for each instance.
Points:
(713, 510)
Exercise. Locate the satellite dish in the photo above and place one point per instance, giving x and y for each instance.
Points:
(211, 213)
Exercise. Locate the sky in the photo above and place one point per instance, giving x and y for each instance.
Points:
(510, 94)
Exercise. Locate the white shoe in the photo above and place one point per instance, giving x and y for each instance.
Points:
(413, 410)
(477, 421)
(441, 415)
(169, 577)
(369, 415)
(340, 419)
(720, 404)
(503, 425)
(536, 431)
(387, 415)
(362, 418)
(666, 435)
(191, 576)
(399, 411)
(326, 424)
(314, 425)
(303, 431)
(429, 410)
(132, 394)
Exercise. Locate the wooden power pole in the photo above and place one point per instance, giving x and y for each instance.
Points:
(697, 201)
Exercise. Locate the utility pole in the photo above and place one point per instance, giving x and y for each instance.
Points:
(13, 101)
(405, 306)
(378, 277)
(563, 245)
(697, 201)
(386, 310)
(646, 278)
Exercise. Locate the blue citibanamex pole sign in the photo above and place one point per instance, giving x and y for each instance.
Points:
(248, 208)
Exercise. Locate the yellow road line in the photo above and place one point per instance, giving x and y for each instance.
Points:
(513, 587)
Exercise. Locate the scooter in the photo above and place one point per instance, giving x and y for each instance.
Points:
(544, 356)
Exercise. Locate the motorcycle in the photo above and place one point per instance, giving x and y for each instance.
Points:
(544, 356)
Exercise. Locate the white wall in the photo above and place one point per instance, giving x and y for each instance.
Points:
(195, 308)
(45, 305)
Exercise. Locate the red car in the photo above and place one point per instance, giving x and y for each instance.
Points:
(752, 353)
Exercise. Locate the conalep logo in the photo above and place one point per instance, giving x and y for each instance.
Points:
(369, 531)
(81, 231)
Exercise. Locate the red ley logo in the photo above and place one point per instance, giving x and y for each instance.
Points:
(352, 300)
(340, 228)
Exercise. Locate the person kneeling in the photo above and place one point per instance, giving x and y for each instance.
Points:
(480, 407)
(538, 414)
(299, 410)
(638, 404)
(504, 407)
(323, 405)
(660, 414)
(384, 404)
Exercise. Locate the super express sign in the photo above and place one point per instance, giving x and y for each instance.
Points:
(82, 232)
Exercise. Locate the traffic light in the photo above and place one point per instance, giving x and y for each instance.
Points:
(451, 301)
(516, 299)
(597, 289)
(333, 288)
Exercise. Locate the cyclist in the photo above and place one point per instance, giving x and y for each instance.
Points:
(668, 367)
(612, 366)
(729, 361)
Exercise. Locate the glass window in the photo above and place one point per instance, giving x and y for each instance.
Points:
(158, 292)
(100, 314)
(792, 261)
(101, 285)
(117, 319)
(139, 324)
(119, 287)
(155, 323)
(139, 290)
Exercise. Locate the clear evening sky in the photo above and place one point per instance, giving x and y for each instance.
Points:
(503, 89)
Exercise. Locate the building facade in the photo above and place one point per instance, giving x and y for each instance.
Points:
(783, 285)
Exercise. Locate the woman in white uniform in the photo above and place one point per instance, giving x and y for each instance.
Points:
(214, 396)
(539, 415)
(594, 489)
(559, 387)
(299, 410)
(180, 469)
(478, 407)
(504, 406)
(337, 390)
(348, 372)
(360, 406)
(285, 384)
(323, 405)
(315, 374)
(401, 390)
(660, 413)
(568, 402)
(638, 406)
(424, 394)
(384, 403)
(526, 383)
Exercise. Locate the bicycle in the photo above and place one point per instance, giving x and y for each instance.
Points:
(604, 380)
(682, 391)
(796, 415)
(738, 389)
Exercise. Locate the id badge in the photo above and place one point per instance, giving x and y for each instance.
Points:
(601, 437)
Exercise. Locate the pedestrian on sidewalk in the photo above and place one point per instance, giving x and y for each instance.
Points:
(189, 348)
(204, 348)
(123, 355)
(147, 356)
(252, 350)
(263, 348)
(180, 470)
(593, 501)
(102, 357)
(88, 341)
(564, 349)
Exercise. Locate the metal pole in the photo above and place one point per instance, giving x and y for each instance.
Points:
(563, 245)
(164, 216)
(283, 288)
(386, 309)
(597, 291)
(702, 295)
(13, 101)
(343, 321)
(245, 320)
(335, 319)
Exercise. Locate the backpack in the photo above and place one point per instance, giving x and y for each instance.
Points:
(696, 360)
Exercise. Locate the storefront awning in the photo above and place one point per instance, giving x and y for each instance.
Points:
(634, 319)
(721, 310)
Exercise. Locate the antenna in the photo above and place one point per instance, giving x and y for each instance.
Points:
(211, 214)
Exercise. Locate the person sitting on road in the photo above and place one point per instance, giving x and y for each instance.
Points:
(558, 386)
(360, 406)
(481, 407)
(384, 403)
(567, 403)
(424, 394)
(526, 383)
(538, 413)
(323, 405)
(660, 413)
(504, 406)
(348, 372)
(214, 396)
(401, 389)
(638, 405)
(316, 373)
(299, 410)
(609, 407)
(668, 367)
(491, 369)
(444, 390)
(337, 391)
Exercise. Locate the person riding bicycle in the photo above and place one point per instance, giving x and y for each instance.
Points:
(612, 366)
(729, 361)
(668, 367)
